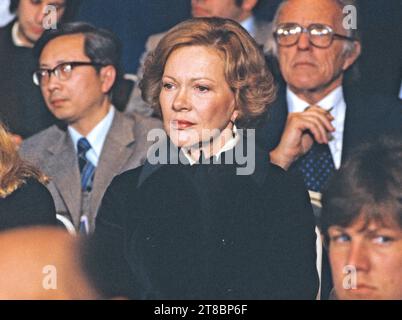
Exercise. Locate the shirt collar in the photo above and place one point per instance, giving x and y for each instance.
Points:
(14, 35)
(97, 136)
(249, 25)
(333, 99)
(230, 144)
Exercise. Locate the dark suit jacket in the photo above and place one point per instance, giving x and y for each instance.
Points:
(366, 118)
(31, 204)
(52, 150)
(203, 232)
(22, 107)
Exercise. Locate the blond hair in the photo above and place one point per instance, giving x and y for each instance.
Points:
(13, 170)
(245, 69)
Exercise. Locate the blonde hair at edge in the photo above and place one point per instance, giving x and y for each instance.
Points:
(13, 170)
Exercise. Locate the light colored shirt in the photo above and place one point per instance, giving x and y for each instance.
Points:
(96, 137)
(14, 35)
(334, 100)
(230, 144)
(5, 15)
(249, 25)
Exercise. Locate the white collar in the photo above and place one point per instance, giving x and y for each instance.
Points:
(230, 144)
(16, 39)
(96, 137)
(249, 25)
(331, 100)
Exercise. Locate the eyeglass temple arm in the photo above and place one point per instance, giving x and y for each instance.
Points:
(340, 36)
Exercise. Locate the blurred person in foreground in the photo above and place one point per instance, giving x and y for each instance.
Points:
(362, 223)
(202, 227)
(43, 263)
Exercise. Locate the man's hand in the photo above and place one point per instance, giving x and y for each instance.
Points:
(301, 129)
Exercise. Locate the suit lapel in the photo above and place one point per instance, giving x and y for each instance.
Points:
(65, 174)
(352, 129)
(270, 130)
(116, 151)
(346, 132)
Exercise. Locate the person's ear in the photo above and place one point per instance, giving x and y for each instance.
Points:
(108, 76)
(352, 55)
(248, 5)
(234, 116)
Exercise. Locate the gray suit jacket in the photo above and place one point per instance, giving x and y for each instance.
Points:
(263, 36)
(53, 152)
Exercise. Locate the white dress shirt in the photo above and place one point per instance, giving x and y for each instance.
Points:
(14, 36)
(5, 15)
(334, 100)
(249, 25)
(230, 144)
(96, 137)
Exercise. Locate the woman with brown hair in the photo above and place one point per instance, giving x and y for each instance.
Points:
(194, 224)
(24, 200)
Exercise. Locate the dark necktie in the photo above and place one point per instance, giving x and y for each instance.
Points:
(316, 166)
(87, 169)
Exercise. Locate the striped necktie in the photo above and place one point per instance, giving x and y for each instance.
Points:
(87, 169)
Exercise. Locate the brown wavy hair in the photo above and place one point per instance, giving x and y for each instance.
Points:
(13, 170)
(245, 68)
(368, 185)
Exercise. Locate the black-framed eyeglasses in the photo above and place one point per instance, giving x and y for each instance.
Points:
(320, 35)
(62, 71)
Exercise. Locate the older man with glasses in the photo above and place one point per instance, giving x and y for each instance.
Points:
(317, 122)
(315, 110)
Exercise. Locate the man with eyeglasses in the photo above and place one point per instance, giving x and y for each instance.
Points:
(78, 67)
(317, 122)
(314, 51)
(22, 107)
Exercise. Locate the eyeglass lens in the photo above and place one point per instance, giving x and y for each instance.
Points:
(319, 35)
